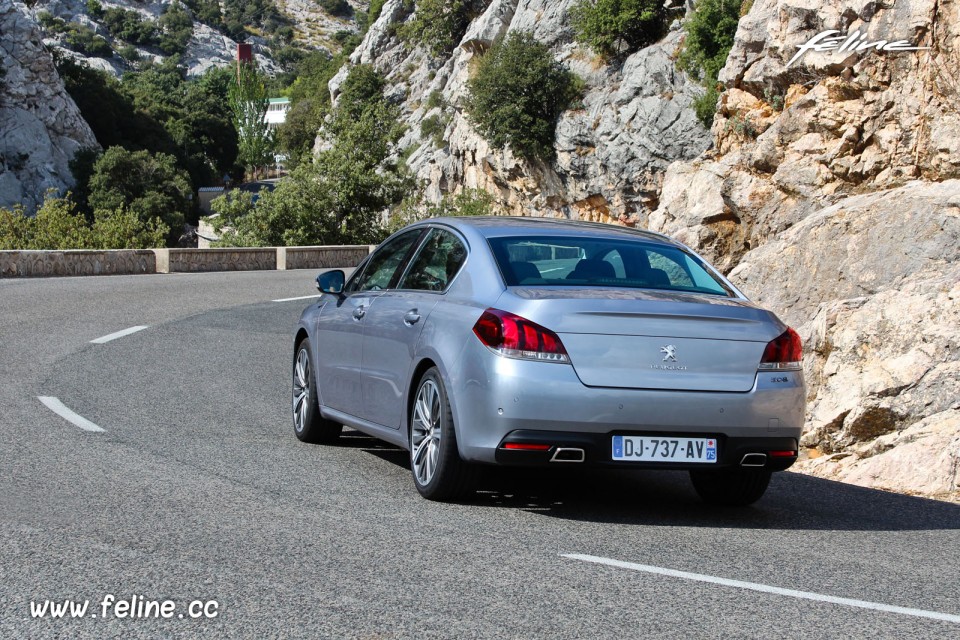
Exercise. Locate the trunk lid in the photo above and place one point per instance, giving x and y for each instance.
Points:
(645, 339)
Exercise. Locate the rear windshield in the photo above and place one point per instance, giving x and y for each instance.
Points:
(592, 262)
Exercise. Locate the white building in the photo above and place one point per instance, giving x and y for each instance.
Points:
(277, 112)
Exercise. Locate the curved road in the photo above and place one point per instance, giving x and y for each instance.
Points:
(196, 492)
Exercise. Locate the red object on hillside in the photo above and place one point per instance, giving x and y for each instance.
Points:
(244, 52)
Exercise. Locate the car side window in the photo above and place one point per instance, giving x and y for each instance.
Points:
(439, 260)
(385, 261)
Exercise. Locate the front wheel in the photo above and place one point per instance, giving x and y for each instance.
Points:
(731, 488)
(308, 424)
(438, 471)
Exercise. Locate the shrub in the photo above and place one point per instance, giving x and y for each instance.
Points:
(518, 93)
(433, 127)
(57, 226)
(339, 8)
(130, 26)
(437, 24)
(710, 33)
(615, 27)
(83, 39)
(469, 202)
(176, 27)
(94, 8)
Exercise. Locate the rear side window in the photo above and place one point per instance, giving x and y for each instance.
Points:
(593, 262)
(383, 264)
(438, 261)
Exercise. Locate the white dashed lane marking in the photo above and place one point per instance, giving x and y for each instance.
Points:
(763, 588)
(118, 334)
(67, 414)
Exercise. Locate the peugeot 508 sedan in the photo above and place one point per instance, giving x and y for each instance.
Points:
(530, 341)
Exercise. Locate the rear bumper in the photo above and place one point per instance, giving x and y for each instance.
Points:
(597, 451)
(493, 397)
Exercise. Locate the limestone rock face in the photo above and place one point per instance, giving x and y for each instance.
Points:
(612, 151)
(872, 284)
(40, 126)
(790, 141)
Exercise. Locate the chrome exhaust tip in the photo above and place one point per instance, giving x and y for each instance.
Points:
(568, 454)
(754, 460)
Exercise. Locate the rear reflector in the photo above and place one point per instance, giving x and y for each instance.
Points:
(515, 337)
(783, 353)
(782, 454)
(523, 446)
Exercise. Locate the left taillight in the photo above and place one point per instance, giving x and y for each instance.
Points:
(513, 336)
(783, 352)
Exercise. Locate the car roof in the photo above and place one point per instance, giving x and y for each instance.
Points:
(496, 226)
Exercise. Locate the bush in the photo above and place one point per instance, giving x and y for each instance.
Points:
(338, 8)
(57, 226)
(94, 8)
(176, 27)
(469, 202)
(437, 24)
(617, 27)
(130, 26)
(710, 33)
(433, 128)
(518, 93)
(83, 39)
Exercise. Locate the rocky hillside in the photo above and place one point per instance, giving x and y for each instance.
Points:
(828, 188)
(41, 126)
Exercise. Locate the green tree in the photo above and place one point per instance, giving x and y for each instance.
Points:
(340, 196)
(147, 185)
(617, 27)
(249, 102)
(340, 8)
(129, 25)
(469, 202)
(517, 95)
(710, 33)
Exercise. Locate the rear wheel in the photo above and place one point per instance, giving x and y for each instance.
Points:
(308, 424)
(732, 488)
(438, 471)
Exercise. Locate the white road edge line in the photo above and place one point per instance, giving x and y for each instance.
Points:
(61, 410)
(316, 295)
(118, 334)
(753, 586)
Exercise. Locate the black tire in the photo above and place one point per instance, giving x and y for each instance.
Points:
(432, 437)
(731, 488)
(308, 424)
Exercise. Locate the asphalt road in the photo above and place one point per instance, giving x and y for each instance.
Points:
(197, 491)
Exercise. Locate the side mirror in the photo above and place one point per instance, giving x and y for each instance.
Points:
(331, 282)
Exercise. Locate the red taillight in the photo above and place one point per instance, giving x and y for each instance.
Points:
(782, 454)
(784, 352)
(515, 337)
(524, 446)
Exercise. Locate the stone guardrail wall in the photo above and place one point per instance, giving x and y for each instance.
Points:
(18, 264)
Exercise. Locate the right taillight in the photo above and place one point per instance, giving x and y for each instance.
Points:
(783, 352)
(513, 336)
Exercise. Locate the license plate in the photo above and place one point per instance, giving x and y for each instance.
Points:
(664, 449)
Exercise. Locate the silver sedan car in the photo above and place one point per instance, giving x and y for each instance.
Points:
(540, 342)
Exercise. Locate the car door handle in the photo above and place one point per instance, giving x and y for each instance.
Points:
(359, 312)
(411, 317)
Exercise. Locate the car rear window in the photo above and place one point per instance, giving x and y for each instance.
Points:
(600, 262)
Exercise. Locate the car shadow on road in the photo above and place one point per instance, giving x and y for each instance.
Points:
(666, 498)
(793, 501)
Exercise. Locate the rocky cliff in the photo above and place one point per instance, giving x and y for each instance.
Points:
(40, 126)
(831, 195)
(611, 153)
(828, 188)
